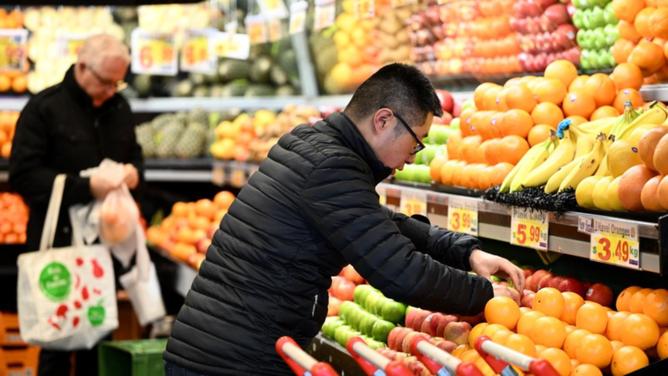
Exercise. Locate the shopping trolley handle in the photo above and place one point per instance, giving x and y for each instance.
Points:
(440, 362)
(299, 361)
(373, 363)
(500, 358)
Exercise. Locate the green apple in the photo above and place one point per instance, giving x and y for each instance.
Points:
(376, 345)
(586, 19)
(360, 293)
(468, 104)
(582, 37)
(455, 124)
(611, 34)
(438, 134)
(354, 317)
(393, 311)
(609, 15)
(601, 59)
(341, 334)
(330, 325)
(585, 62)
(345, 309)
(578, 19)
(366, 325)
(381, 329)
(597, 18)
(611, 60)
(371, 301)
(598, 38)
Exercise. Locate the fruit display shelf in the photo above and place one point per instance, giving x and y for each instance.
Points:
(4, 170)
(494, 221)
(658, 92)
(329, 351)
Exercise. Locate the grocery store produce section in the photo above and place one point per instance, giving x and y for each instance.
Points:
(553, 148)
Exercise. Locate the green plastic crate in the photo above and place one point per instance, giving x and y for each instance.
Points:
(132, 358)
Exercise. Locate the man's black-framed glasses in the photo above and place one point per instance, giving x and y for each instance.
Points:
(419, 145)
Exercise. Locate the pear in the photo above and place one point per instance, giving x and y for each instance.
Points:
(584, 192)
(600, 193)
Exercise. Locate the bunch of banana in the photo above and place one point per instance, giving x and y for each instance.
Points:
(562, 154)
(533, 158)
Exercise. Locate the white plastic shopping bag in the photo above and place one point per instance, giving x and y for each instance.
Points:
(66, 296)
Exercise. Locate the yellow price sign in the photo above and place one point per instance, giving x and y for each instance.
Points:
(463, 216)
(273, 8)
(413, 203)
(13, 50)
(275, 29)
(366, 8)
(196, 53)
(256, 29)
(529, 228)
(298, 16)
(324, 14)
(232, 45)
(153, 53)
(615, 243)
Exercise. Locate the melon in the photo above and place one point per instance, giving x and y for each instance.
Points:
(648, 143)
(649, 194)
(631, 184)
(660, 157)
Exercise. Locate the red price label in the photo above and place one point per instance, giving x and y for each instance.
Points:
(527, 233)
(529, 229)
(616, 249)
(153, 53)
(13, 50)
(462, 216)
(413, 203)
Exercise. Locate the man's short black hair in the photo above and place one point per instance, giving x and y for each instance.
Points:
(399, 87)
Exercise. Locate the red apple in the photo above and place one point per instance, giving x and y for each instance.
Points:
(572, 284)
(333, 306)
(430, 324)
(406, 343)
(542, 282)
(457, 332)
(396, 335)
(554, 282)
(203, 245)
(420, 316)
(351, 274)
(443, 322)
(447, 346)
(527, 299)
(600, 294)
(447, 101)
(514, 294)
(527, 272)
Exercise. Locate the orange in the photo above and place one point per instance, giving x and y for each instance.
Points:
(628, 31)
(547, 113)
(625, 95)
(616, 345)
(640, 330)
(491, 150)
(572, 341)
(516, 122)
(539, 133)
(521, 343)
(577, 120)
(512, 149)
(548, 90)
(490, 98)
(476, 332)
(180, 209)
(615, 325)
(586, 370)
(579, 103)
(642, 22)
(594, 349)
(500, 170)
(638, 300)
(205, 208)
(627, 75)
(627, 9)
(662, 346)
(454, 142)
(527, 321)
(519, 97)
(502, 310)
(548, 331)
(656, 306)
(479, 94)
(5, 83)
(572, 302)
(621, 50)
(562, 70)
(549, 301)
(435, 167)
(223, 199)
(500, 336)
(592, 316)
(492, 329)
(628, 359)
(578, 83)
(604, 112)
(558, 359)
(602, 88)
(622, 303)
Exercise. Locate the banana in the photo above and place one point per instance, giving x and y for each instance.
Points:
(595, 127)
(586, 167)
(584, 144)
(507, 181)
(655, 115)
(555, 180)
(561, 155)
(541, 155)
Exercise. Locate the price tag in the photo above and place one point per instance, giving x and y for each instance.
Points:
(529, 228)
(153, 53)
(615, 243)
(325, 11)
(382, 195)
(69, 44)
(197, 54)
(273, 8)
(256, 27)
(463, 216)
(585, 225)
(413, 202)
(232, 45)
(238, 176)
(13, 50)
(403, 3)
(274, 29)
(366, 8)
(298, 16)
(218, 174)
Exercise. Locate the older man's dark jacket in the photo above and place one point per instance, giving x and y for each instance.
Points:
(59, 131)
(311, 209)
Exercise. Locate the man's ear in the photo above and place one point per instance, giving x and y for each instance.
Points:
(380, 119)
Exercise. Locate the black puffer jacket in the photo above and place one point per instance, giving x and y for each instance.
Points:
(309, 210)
(59, 131)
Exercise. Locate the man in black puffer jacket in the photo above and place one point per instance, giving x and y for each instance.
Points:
(311, 209)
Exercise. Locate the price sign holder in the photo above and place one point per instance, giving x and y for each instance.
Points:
(325, 11)
(463, 216)
(298, 16)
(232, 45)
(413, 202)
(616, 243)
(218, 174)
(256, 27)
(273, 8)
(529, 228)
(13, 50)
(153, 53)
(274, 29)
(197, 53)
(68, 44)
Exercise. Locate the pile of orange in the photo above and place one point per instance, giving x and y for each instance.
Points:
(579, 337)
(11, 19)
(7, 127)
(13, 218)
(643, 32)
(186, 233)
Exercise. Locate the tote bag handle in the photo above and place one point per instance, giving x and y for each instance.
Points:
(53, 210)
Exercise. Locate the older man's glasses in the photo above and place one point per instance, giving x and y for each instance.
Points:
(418, 144)
(116, 85)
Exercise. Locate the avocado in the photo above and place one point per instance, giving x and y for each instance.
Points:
(278, 75)
(235, 88)
(260, 70)
(260, 90)
(231, 69)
